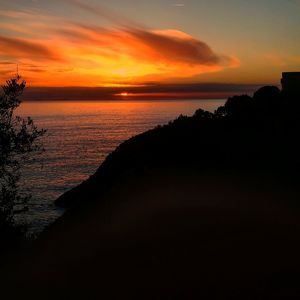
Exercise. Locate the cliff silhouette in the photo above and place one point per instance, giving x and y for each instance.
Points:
(247, 132)
(206, 207)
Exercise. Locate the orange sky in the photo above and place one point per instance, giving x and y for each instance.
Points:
(81, 43)
(79, 55)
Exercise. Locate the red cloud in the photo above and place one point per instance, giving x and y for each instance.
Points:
(21, 48)
(81, 54)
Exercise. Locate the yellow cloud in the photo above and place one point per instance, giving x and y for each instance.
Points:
(72, 54)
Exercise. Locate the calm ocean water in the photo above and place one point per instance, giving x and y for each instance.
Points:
(80, 135)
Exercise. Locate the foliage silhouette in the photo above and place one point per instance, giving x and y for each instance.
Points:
(205, 207)
(247, 131)
(19, 139)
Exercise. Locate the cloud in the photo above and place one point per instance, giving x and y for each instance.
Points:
(166, 46)
(15, 13)
(161, 91)
(87, 54)
(16, 47)
(176, 47)
(167, 51)
(104, 13)
(6, 63)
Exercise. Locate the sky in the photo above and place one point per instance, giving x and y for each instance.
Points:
(139, 43)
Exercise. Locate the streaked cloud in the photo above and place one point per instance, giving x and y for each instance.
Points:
(22, 49)
(15, 13)
(6, 63)
(147, 91)
(73, 53)
(103, 12)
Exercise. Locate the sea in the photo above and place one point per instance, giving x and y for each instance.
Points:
(80, 134)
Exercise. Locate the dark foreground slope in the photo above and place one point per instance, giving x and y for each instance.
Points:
(204, 208)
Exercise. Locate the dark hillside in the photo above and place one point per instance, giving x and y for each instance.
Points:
(260, 132)
(206, 207)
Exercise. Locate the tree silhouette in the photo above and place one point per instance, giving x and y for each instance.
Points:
(19, 139)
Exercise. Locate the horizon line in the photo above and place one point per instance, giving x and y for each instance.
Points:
(155, 91)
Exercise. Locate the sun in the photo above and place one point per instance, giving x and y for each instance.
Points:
(124, 94)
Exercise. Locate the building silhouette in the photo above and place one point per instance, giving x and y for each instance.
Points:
(290, 81)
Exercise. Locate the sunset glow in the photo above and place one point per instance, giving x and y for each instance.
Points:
(82, 43)
(145, 56)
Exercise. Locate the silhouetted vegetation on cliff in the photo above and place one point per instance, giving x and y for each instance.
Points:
(206, 207)
(19, 140)
(247, 132)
